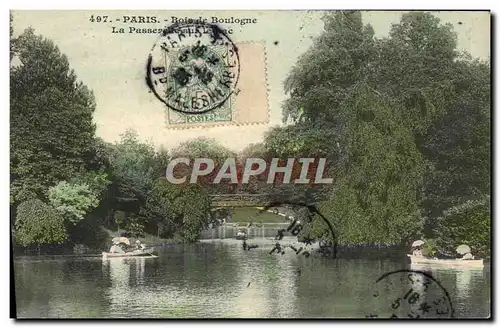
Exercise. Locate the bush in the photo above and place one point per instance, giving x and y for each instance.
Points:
(38, 223)
(135, 227)
(73, 201)
(468, 223)
(89, 233)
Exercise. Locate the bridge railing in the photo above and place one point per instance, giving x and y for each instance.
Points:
(230, 200)
(240, 196)
(264, 230)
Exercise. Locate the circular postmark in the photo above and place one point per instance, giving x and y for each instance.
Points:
(193, 68)
(411, 294)
(300, 218)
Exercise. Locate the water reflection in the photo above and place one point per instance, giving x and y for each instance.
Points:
(463, 285)
(140, 265)
(119, 272)
(268, 284)
(220, 279)
(463, 276)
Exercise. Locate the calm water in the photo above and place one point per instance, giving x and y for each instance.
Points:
(221, 280)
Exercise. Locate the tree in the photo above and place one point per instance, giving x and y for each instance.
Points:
(300, 141)
(145, 201)
(202, 147)
(458, 144)
(404, 120)
(134, 167)
(322, 77)
(318, 85)
(182, 209)
(253, 150)
(72, 200)
(97, 181)
(205, 148)
(50, 118)
(11, 31)
(38, 223)
(133, 162)
(78, 197)
(375, 198)
(414, 66)
(256, 184)
(135, 226)
(468, 223)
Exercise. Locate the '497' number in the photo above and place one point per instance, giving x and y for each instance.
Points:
(98, 19)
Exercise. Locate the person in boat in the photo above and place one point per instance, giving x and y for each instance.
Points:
(139, 245)
(468, 256)
(116, 249)
(417, 251)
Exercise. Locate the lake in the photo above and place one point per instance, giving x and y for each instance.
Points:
(218, 279)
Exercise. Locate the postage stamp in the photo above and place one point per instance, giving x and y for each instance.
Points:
(193, 68)
(247, 104)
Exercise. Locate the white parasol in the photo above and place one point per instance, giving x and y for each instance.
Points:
(118, 240)
(463, 249)
(417, 243)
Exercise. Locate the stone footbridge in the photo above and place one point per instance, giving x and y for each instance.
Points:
(240, 200)
(229, 230)
(256, 230)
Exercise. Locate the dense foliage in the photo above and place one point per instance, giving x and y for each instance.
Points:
(67, 184)
(48, 109)
(38, 223)
(404, 120)
(74, 200)
(468, 223)
(375, 196)
(184, 209)
(146, 203)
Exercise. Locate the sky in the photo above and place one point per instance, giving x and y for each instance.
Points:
(113, 65)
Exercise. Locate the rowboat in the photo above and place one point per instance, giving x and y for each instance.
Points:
(149, 252)
(241, 234)
(420, 260)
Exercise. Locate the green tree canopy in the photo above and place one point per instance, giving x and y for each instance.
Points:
(135, 167)
(38, 223)
(48, 108)
(404, 120)
(458, 143)
(468, 223)
(75, 200)
(322, 77)
(202, 147)
(375, 198)
(184, 209)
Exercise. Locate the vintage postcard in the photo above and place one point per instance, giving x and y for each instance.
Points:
(250, 164)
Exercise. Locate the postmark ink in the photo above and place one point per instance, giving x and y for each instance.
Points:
(412, 294)
(303, 213)
(193, 68)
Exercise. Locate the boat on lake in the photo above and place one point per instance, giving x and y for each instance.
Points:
(147, 252)
(241, 234)
(452, 263)
(122, 248)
